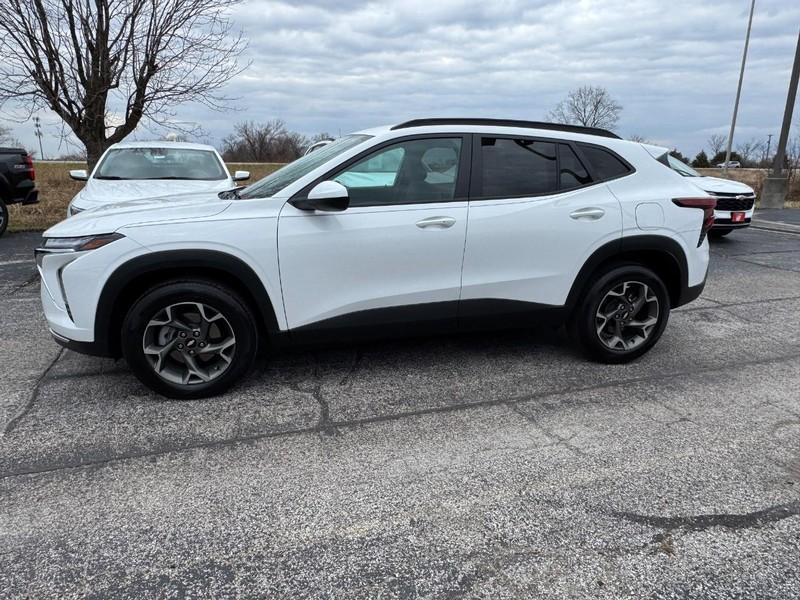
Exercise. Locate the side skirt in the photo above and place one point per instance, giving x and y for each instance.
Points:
(426, 320)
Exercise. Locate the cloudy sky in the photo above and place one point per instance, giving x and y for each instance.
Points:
(341, 65)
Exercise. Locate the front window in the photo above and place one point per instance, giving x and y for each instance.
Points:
(681, 167)
(161, 163)
(410, 172)
(285, 176)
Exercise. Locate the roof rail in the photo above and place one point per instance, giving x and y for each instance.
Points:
(509, 123)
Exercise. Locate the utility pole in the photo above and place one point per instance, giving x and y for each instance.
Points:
(37, 129)
(777, 184)
(769, 145)
(739, 89)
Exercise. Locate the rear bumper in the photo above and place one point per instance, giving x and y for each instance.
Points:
(691, 293)
(728, 224)
(25, 196)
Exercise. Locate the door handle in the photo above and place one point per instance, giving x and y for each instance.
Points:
(588, 214)
(438, 222)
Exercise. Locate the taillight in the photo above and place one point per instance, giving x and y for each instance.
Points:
(707, 204)
(29, 164)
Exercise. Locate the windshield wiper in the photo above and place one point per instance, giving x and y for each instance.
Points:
(111, 177)
(230, 194)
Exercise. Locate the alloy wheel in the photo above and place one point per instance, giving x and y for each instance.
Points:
(189, 343)
(626, 316)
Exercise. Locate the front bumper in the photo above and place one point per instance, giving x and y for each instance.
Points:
(91, 348)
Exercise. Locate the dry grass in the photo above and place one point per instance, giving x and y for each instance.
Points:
(56, 190)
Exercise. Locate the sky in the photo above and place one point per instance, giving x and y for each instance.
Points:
(341, 65)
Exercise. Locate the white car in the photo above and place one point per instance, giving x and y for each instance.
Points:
(735, 200)
(139, 170)
(430, 225)
(731, 164)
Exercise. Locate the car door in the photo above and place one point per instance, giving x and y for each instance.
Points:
(536, 214)
(394, 256)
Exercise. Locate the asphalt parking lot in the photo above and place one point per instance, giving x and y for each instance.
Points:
(495, 465)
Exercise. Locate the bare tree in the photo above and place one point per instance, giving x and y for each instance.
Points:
(749, 150)
(717, 143)
(639, 138)
(105, 66)
(7, 137)
(263, 142)
(588, 106)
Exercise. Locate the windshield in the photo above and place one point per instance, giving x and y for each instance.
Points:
(161, 163)
(681, 167)
(275, 182)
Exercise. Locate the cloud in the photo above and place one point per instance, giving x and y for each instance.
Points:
(342, 65)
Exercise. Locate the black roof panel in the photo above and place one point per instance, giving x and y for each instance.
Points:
(509, 123)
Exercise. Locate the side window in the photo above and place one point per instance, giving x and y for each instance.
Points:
(411, 172)
(572, 173)
(517, 167)
(379, 170)
(604, 163)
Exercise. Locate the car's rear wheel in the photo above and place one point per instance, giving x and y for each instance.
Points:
(3, 217)
(189, 339)
(719, 232)
(622, 315)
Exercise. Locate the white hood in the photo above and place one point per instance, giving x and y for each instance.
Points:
(108, 218)
(716, 184)
(98, 192)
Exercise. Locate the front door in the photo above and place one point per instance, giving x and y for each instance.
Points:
(394, 256)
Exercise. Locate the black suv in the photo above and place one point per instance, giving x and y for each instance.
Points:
(17, 181)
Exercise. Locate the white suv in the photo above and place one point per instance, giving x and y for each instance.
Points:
(430, 225)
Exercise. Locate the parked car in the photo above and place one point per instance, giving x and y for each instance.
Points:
(731, 164)
(137, 170)
(427, 226)
(17, 182)
(735, 200)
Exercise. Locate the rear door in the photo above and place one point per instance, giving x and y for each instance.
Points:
(536, 214)
(394, 256)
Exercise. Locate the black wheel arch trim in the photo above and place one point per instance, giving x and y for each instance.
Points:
(628, 247)
(125, 275)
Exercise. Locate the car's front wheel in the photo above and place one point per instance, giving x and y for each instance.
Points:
(189, 339)
(622, 315)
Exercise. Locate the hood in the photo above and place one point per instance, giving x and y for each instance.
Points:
(108, 218)
(97, 192)
(716, 184)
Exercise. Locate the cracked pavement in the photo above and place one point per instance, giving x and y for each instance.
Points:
(499, 465)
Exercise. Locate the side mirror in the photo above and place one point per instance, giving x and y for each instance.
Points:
(241, 175)
(329, 196)
(79, 175)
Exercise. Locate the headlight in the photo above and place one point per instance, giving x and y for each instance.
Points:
(74, 244)
(80, 244)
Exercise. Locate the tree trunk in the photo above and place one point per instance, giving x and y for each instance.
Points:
(94, 150)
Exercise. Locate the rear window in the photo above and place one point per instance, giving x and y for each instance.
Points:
(517, 167)
(605, 164)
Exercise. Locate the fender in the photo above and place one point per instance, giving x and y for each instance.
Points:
(628, 247)
(130, 277)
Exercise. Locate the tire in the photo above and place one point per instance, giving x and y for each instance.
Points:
(716, 234)
(599, 344)
(169, 332)
(3, 217)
